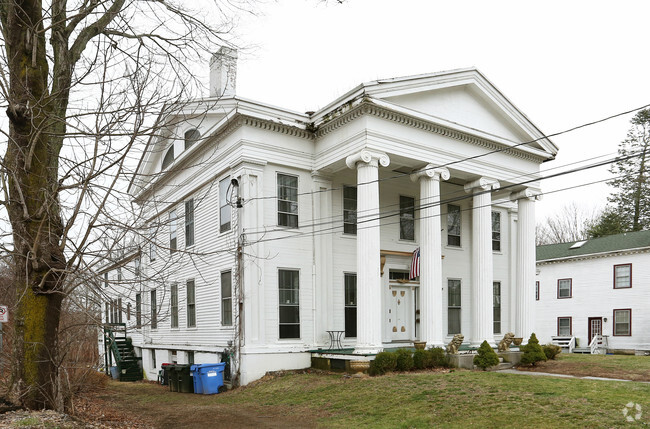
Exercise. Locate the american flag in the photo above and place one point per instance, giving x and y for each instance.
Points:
(415, 264)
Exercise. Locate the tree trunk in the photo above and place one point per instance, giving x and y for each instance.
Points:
(31, 163)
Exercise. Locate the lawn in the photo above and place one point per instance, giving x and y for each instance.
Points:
(611, 366)
(401, 400)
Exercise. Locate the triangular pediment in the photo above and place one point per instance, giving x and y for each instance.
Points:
(464, 97)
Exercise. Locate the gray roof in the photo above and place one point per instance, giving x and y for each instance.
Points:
(611, 243)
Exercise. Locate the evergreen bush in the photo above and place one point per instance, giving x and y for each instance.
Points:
(420, 359)
(384, 362)
(436, 358)
(551, 351)
(404, 360)
(533, 352)
(486, 356)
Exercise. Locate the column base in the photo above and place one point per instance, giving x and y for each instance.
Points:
(435, 344)
(477, 343)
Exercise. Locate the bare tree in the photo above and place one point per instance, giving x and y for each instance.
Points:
(80, 81)
(569, 224)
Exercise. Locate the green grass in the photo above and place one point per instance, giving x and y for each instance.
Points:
(457, 399)
(609, 362)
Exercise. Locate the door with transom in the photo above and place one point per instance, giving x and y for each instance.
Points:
(400, 306)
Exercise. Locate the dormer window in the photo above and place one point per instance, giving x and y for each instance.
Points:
(191, 137)
(169, 157)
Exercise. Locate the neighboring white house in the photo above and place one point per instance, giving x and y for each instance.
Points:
(595, 287)
(332, 205)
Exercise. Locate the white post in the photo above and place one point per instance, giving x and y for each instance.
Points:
(482, 268)
(525, 280)
(431, 327)
(369, 321)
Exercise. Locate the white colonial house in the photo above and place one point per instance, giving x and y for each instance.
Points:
(596, 287)
(269, 227)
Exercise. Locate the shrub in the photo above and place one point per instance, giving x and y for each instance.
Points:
(420, 359)
(384, 362)
(486, 356)
(533, 352)
(551, 351)
(436, 357)
(404, 360)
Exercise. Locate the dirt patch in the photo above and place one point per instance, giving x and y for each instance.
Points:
(154, 406)
(583, 369)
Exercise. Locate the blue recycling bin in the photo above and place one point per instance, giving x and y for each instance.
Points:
(208, 378)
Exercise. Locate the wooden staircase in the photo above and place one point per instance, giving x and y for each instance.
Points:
(120, 348)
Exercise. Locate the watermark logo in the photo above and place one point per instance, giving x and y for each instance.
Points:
(632, 412)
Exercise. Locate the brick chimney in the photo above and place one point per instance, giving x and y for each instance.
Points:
(223, 72)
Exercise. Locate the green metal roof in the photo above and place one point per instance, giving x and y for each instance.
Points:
(611, 243)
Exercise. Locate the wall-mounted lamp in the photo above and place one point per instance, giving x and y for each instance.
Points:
(605, 319)
(235, 191)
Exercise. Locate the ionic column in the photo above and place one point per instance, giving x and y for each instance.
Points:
(482, 268)
(525, 262)
(369, 311)
(431, 327)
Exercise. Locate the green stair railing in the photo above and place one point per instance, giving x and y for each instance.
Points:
(120, 348)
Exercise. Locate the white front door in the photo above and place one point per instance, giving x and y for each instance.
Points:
(400, 313)
(400, 305)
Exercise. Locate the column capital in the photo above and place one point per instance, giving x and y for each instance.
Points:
(528, 194)
(431, 172)
(369, 157)
(482, 184)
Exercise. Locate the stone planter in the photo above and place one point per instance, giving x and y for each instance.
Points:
(419, 345)
(517, 341)
(359, 366)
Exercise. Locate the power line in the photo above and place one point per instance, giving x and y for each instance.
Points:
(504, 149)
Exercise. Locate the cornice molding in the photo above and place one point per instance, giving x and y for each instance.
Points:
(594, 256)
(276, 127)
(349, 113)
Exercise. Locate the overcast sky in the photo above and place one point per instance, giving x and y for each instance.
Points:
(562, 63)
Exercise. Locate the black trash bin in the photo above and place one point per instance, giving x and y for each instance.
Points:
(185, 380)
(173, 377)
(164, 374)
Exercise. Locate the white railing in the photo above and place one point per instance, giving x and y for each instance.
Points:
(568, 343)
(598, 345)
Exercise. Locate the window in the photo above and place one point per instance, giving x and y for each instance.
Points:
(453, 306)
(172, 231)
(453, 225)
(106, 312)
(623, 322)
(287, 201)
(564, 288)
(173, 356)
(154, 310)
(225, 210)
(191, 304)
(536, 291)
(406, 218)
(496, 306)
(622, 276)
(190, 358)
(564, 327)
(496, 231)
(191, 137)
(119, 274)
(138, 310)
(226, 298)
(128, 311)
(136, 266)
(189, 223)
(173, 300)
(350, 305)
(169, 157)
(106, 279)
(153, 358)
(349, 210)
(288, 281)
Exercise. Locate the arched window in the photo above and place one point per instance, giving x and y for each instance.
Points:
(191, 137)
(169, 157)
